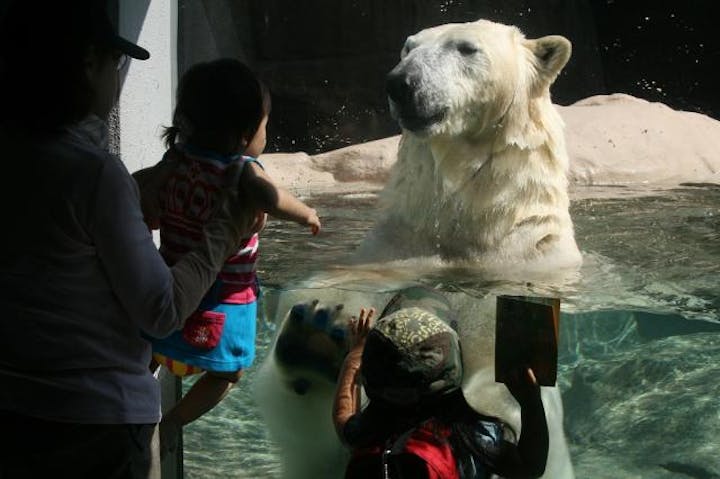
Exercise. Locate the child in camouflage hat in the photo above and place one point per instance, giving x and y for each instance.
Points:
(417, 422)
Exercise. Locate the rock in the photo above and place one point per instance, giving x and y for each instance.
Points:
(363, 162)
(620, 139)
(296, 172)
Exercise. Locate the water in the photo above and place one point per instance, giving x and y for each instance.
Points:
(640, 339)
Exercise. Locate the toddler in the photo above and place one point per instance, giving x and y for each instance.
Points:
(218, 131)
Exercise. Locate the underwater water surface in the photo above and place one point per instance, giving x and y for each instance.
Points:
(639, 339)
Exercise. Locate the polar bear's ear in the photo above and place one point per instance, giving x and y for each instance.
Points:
(550, 54)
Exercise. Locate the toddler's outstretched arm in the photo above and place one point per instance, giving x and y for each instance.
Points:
(276, 201)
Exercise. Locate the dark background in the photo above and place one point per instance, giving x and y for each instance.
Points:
(325, 60)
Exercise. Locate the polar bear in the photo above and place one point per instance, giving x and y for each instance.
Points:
(482, 163)
(480, 176)
(295, 385)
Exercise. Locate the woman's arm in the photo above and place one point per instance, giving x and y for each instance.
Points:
(274, 200)
(347, 394)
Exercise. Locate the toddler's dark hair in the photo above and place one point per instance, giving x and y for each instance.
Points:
(217, 99)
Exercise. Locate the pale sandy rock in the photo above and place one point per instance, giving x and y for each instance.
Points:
(296, 172)
(620, 139)
(369, 161)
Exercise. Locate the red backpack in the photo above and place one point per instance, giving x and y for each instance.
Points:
(424, 448)
(432, 450)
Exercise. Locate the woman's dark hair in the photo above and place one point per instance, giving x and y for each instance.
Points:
(218, 99)
(43, 48)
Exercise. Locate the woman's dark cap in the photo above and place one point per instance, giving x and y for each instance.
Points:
(30, 27)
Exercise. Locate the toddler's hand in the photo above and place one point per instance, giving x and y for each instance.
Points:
(360, 327)
(314, 222)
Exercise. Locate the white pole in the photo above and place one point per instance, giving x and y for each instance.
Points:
(145, 107)
(147, 96)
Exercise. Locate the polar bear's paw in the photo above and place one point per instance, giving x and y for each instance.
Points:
(311, 344)
(295, 386)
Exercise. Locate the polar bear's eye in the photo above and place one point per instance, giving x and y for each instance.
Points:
(467, 48)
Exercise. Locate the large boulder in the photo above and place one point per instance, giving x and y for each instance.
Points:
(620, 139)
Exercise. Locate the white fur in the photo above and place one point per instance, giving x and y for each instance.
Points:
(480, 177)
(481, 169)
(300, 425)
(477, 329)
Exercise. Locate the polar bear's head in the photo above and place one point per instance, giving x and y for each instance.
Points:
(467, 77)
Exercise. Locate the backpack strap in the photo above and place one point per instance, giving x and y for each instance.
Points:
(428, 442)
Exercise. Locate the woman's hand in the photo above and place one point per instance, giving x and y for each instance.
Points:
(359, 327)
(151, 182)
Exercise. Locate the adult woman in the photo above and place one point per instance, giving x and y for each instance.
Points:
(80, 277)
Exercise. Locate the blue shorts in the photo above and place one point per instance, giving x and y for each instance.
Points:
(235, 349)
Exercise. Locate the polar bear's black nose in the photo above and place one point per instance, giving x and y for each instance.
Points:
(398, 87)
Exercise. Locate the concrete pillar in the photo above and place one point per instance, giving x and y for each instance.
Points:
(144, 108)
(147, 96)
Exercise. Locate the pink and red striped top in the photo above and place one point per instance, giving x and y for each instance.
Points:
(187, 203)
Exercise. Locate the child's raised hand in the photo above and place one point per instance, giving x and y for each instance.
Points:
(360, 327)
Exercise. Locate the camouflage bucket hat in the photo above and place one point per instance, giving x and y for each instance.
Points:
(422, 297)
(411, 355)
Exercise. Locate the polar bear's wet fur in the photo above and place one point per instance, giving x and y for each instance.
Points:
(480, 176)
(295, 396)
(481, 168)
